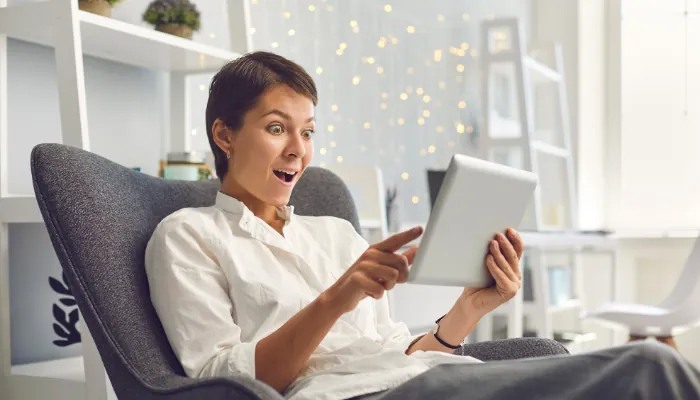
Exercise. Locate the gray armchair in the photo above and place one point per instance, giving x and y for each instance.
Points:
(100, 216)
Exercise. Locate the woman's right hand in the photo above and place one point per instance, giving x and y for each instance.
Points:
(377, 270)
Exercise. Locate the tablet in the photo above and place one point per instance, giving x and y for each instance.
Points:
(477, 199)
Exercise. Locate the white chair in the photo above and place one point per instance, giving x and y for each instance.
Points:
(677, 313)
(366, 184)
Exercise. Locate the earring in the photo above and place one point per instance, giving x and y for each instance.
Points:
(228, 154)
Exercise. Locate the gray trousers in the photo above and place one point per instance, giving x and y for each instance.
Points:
(642, 370)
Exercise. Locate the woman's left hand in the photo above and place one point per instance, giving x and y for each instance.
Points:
(503, 262)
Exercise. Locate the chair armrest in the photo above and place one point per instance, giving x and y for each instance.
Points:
(513, 349)
(220, 388)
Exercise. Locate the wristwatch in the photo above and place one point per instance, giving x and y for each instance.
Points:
(435, 330)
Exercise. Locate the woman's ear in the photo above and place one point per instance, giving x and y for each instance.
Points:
(223, 137)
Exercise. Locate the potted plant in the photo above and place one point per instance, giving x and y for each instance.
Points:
(176, 17)
(100, 7)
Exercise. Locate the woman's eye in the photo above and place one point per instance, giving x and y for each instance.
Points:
(275, 129)
(308, 134)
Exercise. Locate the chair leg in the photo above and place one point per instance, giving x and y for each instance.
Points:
(668, 340)
(635, 338)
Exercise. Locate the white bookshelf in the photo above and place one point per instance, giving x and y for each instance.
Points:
(72, 34)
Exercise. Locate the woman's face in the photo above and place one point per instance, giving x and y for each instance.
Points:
(274, 146)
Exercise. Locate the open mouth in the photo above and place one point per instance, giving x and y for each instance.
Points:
(285, 176)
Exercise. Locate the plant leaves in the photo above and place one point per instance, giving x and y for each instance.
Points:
(62, 343)
(60, 331)
(58, 286)
(68, 302)
(59, 315)
(73, 317)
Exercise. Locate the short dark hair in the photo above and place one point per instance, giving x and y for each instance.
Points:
(236, 88)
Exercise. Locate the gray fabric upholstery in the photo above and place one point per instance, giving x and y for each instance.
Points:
(513, 349)
(100, 216)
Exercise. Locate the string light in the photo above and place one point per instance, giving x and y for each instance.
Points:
(291, 32)
(438, 55)
(394, 40)
(419, 90)
(334, 107)
(470, 129)
(380, 69)
(387, 8)
(319, 70)
(202, 87)
(333, 144)
(383, 106)
(441, 18)
(400, 121)
(385, 95)
(465, 46)
(403, 96)
(274, 45)
(426, 113)
(431, 149)
(473, 53)
(356, 80)
(343, 46)
(331, 128)
(353, 24)
(404, 176)
(460, 128)
(287, 15)
(329, 8)
(409, 70)
(322, 151)
(367, 125)
(339, 52)
(441, 84)
(423, 152)
(410, 29)
(462, 104)
(312, 8)
(415, 199)
(421, 121)
(426, 99)
(460, 68)
(339, 159)
(465, 16)
(439, 128)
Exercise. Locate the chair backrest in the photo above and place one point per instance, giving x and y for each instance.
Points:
(685, 296)
(100, 216)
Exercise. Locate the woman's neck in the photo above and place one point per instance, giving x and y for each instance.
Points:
(260, 209)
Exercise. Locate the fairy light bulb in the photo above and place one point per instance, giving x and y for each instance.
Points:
(426, 99)
(339, 159)
(387, 8)
(385, 95)
(460, 68)
(431, 149)
(319, 70)
(419, 90)
(331, 128)
(356, 80)
(415, 199)
(334, 107)
(411, 29)
(439, 128)
(322, 150)
(400, 121)
(333, 144)
(312, 8)
(367, 125)
(403, 96)
(287, 15)
(404, 176)
(462, 104)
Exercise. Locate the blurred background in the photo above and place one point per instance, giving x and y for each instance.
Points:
(600, 98)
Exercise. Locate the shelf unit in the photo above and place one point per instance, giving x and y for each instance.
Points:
(73, 34)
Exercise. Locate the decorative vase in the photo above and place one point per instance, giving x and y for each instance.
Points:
(99, 7)
(181, 30)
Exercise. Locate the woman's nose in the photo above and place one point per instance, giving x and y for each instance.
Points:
(296, 146)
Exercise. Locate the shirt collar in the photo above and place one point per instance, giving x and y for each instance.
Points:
(235, 206)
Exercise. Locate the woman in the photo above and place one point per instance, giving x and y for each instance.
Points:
(247, 287)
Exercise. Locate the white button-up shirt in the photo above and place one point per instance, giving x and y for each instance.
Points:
(221, 279)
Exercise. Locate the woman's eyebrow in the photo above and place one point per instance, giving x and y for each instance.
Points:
(283, 115)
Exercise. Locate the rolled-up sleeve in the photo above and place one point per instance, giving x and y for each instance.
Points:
(189, 292)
